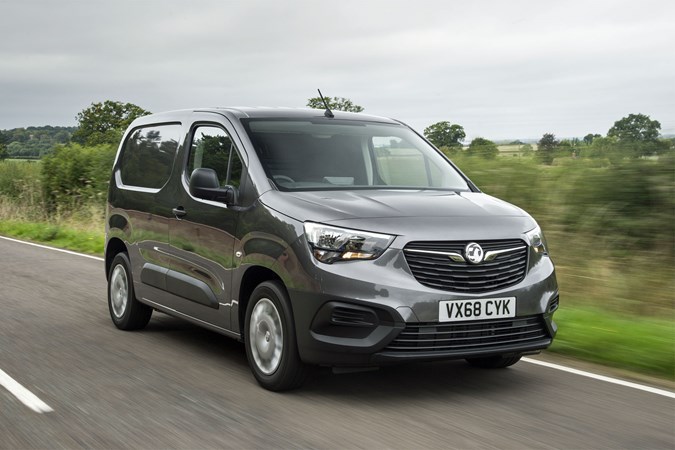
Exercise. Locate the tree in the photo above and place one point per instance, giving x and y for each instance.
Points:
(636, 128)
(483, 148)
(104, 123)
(588, 139)
(637, 135)
(335, 104)
(445, 134)
(547, 147)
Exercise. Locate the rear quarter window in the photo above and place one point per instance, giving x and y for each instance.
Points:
(148, 154)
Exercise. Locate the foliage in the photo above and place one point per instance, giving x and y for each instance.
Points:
(547, 148)
(104, 123)
(568, 147)
(611, 338)
(588, 139)
(445, 134)
(600, 147)
(74, 174)
(20, 190)
(483, 148)
(637, 136)
(34, 142)
(16, 177)
(633, 201)
(335, 104)
(526, 150)
(451, 152)
(635, 128)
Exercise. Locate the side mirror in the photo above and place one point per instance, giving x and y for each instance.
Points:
(204, 184)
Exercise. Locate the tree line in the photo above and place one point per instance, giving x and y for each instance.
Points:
(33, 142)
(103, 123)
(77, 160)
(631, 137)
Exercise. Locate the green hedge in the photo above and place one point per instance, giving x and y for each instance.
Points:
(74, 175)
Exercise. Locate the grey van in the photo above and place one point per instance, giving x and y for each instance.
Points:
(341, 240)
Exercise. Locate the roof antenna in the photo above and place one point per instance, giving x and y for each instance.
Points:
(328, 113)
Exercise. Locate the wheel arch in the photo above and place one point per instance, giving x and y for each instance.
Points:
(114, 246)
(251, 279)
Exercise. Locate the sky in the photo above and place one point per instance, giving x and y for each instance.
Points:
(501, 69)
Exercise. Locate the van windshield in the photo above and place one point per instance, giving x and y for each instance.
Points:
(331, 154)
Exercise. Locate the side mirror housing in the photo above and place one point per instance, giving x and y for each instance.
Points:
(204, 184)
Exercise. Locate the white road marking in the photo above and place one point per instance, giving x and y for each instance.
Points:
(24, 395)
(98, 258)
(582, 373)
(594, 376)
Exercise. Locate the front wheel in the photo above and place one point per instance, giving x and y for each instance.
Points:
(126, 312)
(269, 337)
(494, 362)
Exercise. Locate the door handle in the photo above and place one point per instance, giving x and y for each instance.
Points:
(179, 212)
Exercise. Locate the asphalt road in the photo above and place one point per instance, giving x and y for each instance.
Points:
(175, 385)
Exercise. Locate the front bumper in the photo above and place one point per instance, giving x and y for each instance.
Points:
(355, 321)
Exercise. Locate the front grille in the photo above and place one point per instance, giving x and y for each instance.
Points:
(469, 336)
(433, 268)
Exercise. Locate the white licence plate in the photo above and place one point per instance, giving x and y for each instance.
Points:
(485, 308)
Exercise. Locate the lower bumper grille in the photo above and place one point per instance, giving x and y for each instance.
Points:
(467, 337)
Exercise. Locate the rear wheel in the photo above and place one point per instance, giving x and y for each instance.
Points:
(494, 362)
(126, 312)
(271, 346)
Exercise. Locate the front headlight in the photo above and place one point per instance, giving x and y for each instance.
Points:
(537, 240)
(330, 244)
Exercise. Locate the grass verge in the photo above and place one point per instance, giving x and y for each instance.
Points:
(638, 343)
(641, 344)
(89, 242)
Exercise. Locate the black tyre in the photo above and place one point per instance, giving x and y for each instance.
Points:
(269, 337)
(126, 312)
(494, 362)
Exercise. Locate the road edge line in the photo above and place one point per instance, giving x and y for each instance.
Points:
(62, 250)
(604, 378)
(23, 395)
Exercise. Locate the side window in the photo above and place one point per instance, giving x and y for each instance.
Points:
(212, 148)
(147, 156)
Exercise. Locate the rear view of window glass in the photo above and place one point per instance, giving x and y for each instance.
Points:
(148, 154)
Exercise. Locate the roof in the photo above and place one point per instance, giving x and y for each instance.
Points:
(297, 113)
(268, 112)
